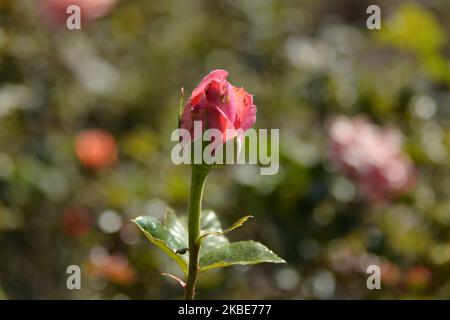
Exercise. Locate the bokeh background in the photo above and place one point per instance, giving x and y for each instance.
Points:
(85, 124)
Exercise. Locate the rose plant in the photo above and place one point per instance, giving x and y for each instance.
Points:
(199, 244)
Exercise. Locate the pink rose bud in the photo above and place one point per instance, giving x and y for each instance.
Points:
(371, 156)
(219, 105)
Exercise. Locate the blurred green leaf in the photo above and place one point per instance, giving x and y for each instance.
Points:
(414, 28)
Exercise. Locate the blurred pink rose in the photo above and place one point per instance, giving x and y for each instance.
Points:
(371, 156)
(113, 267)
(55, 11)
(219, 105)
(76, 221)
(390, 273)
(418, 277)
(96, 148)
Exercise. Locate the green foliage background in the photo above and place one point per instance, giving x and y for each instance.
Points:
(304, 61)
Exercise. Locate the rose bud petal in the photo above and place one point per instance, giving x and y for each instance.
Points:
(219, 105)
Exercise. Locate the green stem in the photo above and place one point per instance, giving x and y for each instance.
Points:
(198, 180)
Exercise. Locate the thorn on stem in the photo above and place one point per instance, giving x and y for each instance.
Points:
(178, 280)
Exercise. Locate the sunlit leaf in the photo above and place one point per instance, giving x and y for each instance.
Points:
(169, 235)
(234, 226)
(217, 251)
(210, 223)
(242, 252)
